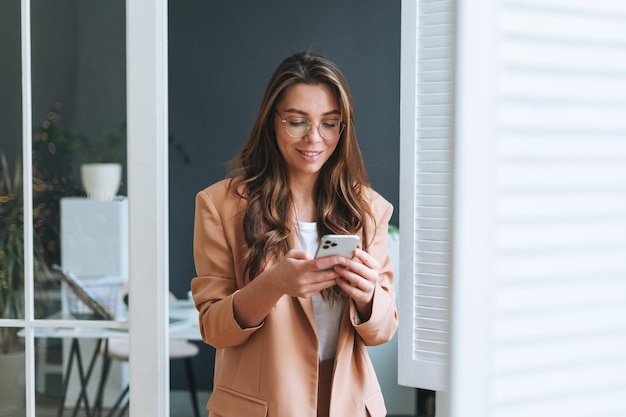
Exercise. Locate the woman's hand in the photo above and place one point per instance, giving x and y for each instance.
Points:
(297, 275)
(358, 278)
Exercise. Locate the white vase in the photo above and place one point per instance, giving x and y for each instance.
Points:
(101, 181)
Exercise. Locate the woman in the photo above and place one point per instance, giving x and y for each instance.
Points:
(291, 331)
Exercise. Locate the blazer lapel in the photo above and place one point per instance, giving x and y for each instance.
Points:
(344, 327)
(307, 306)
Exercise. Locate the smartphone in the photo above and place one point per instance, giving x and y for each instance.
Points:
(343, 245)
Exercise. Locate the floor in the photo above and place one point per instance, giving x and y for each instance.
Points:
(180, 406)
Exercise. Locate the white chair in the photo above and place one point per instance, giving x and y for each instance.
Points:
(118, 349)
(179, 349)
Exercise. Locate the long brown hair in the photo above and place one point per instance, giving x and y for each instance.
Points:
(263, 180)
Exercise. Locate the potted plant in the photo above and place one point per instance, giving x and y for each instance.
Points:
(100, 161)
(12, 283)
(101, 167)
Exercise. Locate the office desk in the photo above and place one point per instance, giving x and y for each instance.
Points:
(185, 327)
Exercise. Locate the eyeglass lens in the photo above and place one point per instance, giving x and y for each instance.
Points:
(298, 127)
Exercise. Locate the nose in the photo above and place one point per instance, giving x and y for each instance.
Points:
(313, 135)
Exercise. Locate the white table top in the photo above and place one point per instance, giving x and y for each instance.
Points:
(182, 311)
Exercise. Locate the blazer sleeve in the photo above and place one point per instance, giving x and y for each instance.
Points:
(214, 287)
(383, 321)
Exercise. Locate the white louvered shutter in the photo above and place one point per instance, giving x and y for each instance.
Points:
(538, 230)
(426, 168)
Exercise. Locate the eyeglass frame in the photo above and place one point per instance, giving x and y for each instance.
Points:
(310, 125)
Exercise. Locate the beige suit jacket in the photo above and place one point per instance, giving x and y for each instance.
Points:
(271, 370)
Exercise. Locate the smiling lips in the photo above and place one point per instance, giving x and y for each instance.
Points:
(310, 154)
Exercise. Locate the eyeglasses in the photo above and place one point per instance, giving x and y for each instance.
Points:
(299, 127)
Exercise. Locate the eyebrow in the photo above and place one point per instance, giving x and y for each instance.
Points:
(303, 113)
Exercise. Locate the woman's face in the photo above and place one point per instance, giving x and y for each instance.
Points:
(306, 155)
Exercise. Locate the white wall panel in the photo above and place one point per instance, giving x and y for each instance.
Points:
(559, 329)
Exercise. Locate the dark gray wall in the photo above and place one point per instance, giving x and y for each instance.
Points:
(221, 58)
(221, 55)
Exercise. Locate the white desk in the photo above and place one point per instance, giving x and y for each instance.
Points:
(58, 326)
(183, 310)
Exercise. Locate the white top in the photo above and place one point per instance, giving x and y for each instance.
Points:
(327, 315)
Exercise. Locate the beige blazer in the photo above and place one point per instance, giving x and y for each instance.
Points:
(271, 370)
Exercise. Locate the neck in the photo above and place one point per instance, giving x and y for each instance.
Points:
(304, 204)
(304, 210)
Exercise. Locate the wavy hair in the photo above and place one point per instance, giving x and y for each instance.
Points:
(258, 178)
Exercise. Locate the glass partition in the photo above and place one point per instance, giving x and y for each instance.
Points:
(12, 352)
(63, 101)
(11, 192)
(74, 376)
(79, 157)
(80, 208)
(12, 386)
